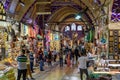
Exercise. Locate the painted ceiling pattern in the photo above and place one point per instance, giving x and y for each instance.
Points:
(116, 11)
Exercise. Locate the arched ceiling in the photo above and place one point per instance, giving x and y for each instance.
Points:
(60, 9)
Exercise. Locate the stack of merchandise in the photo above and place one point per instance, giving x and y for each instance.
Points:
(7, 74)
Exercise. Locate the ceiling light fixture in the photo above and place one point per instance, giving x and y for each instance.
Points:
(78, 17)
(22, 3)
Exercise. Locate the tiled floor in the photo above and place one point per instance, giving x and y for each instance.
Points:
(57, 73)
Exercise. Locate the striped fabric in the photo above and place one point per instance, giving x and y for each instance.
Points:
(22, 60)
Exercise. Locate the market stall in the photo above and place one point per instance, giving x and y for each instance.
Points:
(54, 42)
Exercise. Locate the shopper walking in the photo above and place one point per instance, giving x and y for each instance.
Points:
(22, 67)
(55, 54)
(29, 73)
(76, 52)
(41, 59)
(50, 58)
(31, 60)
(61, 58)
(83, 65)
(45, 54)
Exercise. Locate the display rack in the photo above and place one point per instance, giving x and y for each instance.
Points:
(114, 41)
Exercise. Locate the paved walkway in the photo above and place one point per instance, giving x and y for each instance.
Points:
(57, 73)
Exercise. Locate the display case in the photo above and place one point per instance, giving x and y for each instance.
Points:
(114, 41)
(7, 73)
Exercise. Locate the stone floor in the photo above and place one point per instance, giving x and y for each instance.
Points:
(56, 73)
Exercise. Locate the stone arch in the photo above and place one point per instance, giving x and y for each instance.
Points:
(60, 14)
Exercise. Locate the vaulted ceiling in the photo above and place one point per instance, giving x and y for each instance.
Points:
(25, 10)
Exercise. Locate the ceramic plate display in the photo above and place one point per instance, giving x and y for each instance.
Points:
(110, 38)
(110, 43)
(111, 33)
(119, 33)
(116, 57)
(119, 45)
(111, 57)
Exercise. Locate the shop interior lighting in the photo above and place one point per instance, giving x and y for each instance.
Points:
(22, 3)
(46, 24)
(78, 17)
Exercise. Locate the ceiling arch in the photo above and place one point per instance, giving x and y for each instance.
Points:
(64, 13)
(69, 21)
(91, 13)
(61, 13)
(76, 4)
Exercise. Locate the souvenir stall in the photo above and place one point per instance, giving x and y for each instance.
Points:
(109, 65)
(11, 50)
(47, 36)
(40, 43)
(3, 26)
(24, 33)
(6, 71)
(54, 41)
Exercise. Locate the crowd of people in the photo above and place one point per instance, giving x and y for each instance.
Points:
(33, 56)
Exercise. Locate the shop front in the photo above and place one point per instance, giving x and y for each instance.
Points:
(6, 71)
(54, 42)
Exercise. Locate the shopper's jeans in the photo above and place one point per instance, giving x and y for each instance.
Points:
(41, 65)
(31, 66)
(23, 73)
(61, 62)
(83, 71)
(49, 63)
(55, 56)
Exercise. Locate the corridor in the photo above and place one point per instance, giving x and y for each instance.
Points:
(57, 73)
